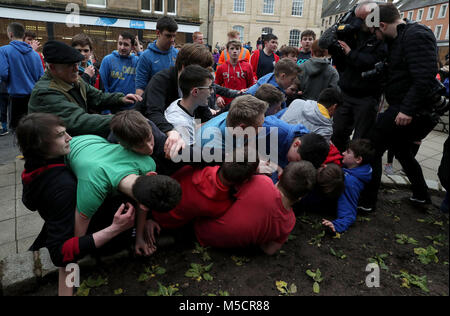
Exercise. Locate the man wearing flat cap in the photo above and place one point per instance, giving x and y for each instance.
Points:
(62, 92)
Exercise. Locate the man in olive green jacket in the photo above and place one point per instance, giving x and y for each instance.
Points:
(60, 91)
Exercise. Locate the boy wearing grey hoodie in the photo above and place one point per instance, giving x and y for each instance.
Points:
(316, 116)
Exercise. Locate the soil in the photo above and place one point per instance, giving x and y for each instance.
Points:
(256, 274)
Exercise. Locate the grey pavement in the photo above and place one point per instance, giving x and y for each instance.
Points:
(19, 226)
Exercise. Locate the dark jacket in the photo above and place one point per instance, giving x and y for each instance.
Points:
(412, 68)
(363, 57)
(163, 89)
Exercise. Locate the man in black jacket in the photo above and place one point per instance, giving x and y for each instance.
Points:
(359, 51)
(410, 77)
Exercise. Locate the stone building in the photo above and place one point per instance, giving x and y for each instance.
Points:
(102, 20)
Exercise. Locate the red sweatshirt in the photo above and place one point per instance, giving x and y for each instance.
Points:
(237, 78)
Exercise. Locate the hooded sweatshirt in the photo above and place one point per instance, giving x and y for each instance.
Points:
(355, 180)
(20, 68)
(312, 115)
(270, 79)
(317, 74)
(118, 73)
(152, 61)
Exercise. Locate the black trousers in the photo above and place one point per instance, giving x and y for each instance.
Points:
(387, 134)
(18, 107)
(357, 114)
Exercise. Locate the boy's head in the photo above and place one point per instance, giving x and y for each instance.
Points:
(83, 43)
(194, 54)
(294, 88)
(331, 98)
(234, 49)
(289, 52)
(197, 37)
(166, 32)
(157, 192)
(246, 111)
(243, 166)
(297, 180)
(133, 131)
(308, 37)
(29, 36)
(285, 72)
(311, 147)
(15, 30)
(233, 36)
(125, 43)
(316, 51)
(271, 42)
(196, 82)
(359, 152)
(330, 180)
(273, 96)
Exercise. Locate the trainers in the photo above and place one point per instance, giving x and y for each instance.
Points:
(367, 209)
(4, 133)
(419, 200)
(388, 169)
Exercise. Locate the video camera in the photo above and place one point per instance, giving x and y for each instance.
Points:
(375, 72)
(343, 30)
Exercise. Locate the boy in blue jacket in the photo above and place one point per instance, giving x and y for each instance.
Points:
(358, 173)
(159, 55)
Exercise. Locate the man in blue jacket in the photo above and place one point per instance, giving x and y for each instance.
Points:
(159, 55)
(20, 68)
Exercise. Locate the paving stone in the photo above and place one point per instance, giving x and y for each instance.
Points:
(47, 265)
(433, 185)
(29, 225)
(7, 249)
(24, 244)
(6, 169)
(399, 179)
(7, 231)
(7, 210)
(21, 209)
(431, 163)
(17, 268)
(7, 180)
(7, 193)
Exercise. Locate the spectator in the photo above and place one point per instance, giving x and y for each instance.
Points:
(263, 61)
(243, 55)
(307, 38)
(87, 71)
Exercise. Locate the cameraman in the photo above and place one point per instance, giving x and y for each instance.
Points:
(408, 86)
(355, 50)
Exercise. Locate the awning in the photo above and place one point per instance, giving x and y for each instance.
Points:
(71, 19)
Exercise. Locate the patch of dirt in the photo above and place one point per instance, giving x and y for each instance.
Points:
(372, 235)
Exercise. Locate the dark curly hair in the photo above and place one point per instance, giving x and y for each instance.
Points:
(159, 193)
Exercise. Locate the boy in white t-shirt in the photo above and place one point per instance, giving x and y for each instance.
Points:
(195, 83)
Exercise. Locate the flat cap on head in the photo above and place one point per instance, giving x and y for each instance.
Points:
(60, 53)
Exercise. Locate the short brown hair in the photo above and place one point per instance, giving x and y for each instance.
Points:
(362, 148)
(245, 110)
(388, 13)
(270, 94)
(33, 134)
(297, 179)
(317, 51)
(234, 43)
(288, 50)
(131, 128)
(330, 180)
(82, 40)
(195, 35)
(286, 66)
(308, 33)
(29, 34)
(194, 54)
(237, 171)
(233, 34)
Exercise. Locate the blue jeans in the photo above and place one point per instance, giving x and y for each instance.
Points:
(4, 111)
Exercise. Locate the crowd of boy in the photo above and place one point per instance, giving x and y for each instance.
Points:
(223, 152)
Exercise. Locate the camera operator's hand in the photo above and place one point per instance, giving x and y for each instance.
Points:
(345, 47)
(403, 119)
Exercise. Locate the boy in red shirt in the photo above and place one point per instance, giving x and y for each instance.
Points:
(262, 214)
(207, 192)
(234, 73)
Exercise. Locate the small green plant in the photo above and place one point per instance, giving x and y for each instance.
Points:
(404, 239)
(437, 240)
(118, 291)
(283, 288)
(317, 278)
(89, 284)
(202, 251)
(221, 293)
(305, 219)
(199, 272)
(240, 261)
(292, 237)
(317, 240)
(427, 255)
(379, 259)
(151, 272)
(363, 219)
(339, 254)
(411, 279)
(171, 290)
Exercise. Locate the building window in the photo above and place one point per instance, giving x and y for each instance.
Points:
(297, 8)
(172, 7)
(159, 6)
(146, 5)
(443, 11)
(294, 38)
(402, 15)
(240, 29)
(268, 7)
(239, 6)
(419, 15)
(96, 3)
(437, 32)
(430, 15)
(267, 30)
(446, 35)
(410, 15)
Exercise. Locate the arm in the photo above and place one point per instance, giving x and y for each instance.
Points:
(346, 209)
(97, 99)
(155, 101)
(143, 73)
(104, 74)
(363, 59)
(4, 66)
(254, 63)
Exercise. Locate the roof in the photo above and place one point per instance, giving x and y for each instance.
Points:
(406, 5)
(338, 6)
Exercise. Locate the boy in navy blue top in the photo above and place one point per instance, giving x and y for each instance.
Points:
(358, 173)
